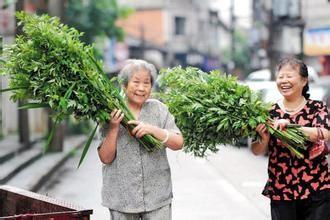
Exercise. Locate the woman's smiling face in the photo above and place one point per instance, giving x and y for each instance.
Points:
(289, 82)
(138, 88)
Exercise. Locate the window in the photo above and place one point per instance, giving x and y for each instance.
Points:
(180, 25)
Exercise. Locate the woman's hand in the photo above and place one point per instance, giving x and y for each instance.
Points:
(116, 117)
(108, 148)
(260, 147)
(281, 124)
(264, 134)
(169, 139)
(141, 128)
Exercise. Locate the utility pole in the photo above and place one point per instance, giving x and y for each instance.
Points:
(284, 17)
(56, 8)
(143, 41)
(23, 118)
(270, 49)
(302, 28)
(1, 47)
(232, 32)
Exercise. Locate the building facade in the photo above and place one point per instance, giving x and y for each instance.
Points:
(291, 27)
(185, 32)
(317, 34)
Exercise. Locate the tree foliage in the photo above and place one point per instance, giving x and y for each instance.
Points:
(96, 18)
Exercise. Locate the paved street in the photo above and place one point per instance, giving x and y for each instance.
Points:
(226, 186)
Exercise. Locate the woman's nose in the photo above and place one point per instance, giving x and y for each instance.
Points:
(140, 86)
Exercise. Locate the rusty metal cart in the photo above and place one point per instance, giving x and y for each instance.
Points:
(19, 204)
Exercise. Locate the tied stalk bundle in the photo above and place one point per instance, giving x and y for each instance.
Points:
(212, 109)
(51, 66)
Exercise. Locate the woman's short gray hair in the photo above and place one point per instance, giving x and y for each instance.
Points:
(133, 65)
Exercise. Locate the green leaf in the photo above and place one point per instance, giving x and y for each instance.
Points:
(69, 92)
(63, 103)
(11, 89)
(33, 105)
(87, 145)
(51, 135)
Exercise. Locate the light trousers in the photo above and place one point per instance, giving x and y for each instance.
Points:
(162, 213)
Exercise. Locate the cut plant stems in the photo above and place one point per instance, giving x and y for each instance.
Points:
(50, 65)
(213, 108)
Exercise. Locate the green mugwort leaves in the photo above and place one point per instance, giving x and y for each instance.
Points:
(50, 65)
(213, 108)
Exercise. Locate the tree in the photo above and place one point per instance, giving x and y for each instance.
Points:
(241, 53)
(23, 116)
(96, 18)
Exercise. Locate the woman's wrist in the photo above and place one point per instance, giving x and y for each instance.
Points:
(167, 135)
(262, 142)
(114, 126)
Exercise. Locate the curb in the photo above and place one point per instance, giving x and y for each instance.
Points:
(65, 157)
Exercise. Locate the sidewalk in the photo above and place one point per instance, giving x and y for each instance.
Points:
(29, 169)
(203, 190)
(215, 188)
(226, 185)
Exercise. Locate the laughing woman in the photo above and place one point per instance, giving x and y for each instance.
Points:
(136, 183)
(299, 189)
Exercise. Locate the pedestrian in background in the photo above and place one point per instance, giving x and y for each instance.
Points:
(136, 183)
(298, 188)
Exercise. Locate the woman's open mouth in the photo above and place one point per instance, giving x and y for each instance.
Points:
(285, 88)
(139, 95)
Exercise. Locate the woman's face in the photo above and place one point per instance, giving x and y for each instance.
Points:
(289, 82)
(138, 88)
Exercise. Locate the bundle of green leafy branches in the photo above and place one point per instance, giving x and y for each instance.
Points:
(212, 109)
(51, 66)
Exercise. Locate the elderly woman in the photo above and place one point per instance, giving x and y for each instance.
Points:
(298, 188)
(136, 183)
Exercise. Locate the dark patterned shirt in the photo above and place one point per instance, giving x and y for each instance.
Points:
(291, 178)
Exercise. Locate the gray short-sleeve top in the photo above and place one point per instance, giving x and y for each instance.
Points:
(137, 180)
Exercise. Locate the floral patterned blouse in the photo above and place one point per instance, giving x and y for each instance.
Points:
(291, 178)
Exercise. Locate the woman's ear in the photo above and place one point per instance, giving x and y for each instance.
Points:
(305, 80)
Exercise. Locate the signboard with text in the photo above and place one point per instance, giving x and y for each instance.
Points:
(317, 41)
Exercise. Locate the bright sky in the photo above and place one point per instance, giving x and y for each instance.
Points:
(242, 10)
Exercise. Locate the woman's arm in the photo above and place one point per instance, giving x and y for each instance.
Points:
(107, 150)
(311, 133)
(260, 146)
(170, 139)
(321, 120)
